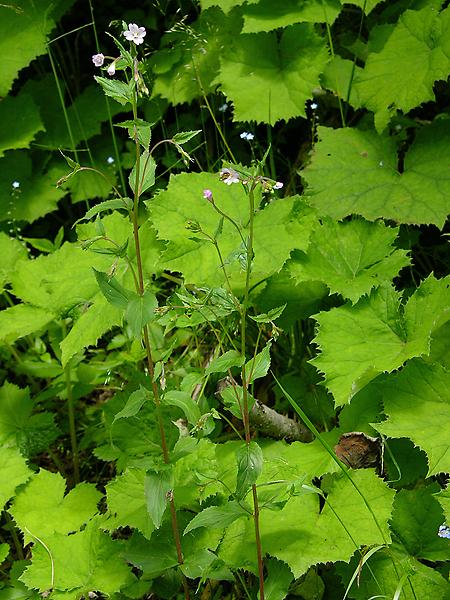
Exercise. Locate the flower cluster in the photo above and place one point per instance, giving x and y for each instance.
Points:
(230, 176)
(246, 135)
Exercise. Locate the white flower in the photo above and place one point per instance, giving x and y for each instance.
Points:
(98, 59)
(246, 135)
(314, 105)
(223, 107)
(111, 69)
(135, 34)
(229, 176)
(110, 160)
(16, 184)
(278, 185)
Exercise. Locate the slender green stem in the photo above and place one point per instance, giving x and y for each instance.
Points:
(72, 428)
(148, 350)
(330, 42)
(245, 412)
(15, 537)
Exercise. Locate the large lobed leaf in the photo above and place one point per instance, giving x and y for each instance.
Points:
(351, 258)
(359, 342)
(281, 74)
(357, 172)
(417, 403)
(402, 74)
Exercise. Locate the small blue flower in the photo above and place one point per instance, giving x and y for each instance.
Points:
(444, 532)
(223, 107)
(313, 105)
(246, 135)
(110, 160)
(16, 184)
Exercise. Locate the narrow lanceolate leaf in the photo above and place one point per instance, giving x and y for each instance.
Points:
(124, 203)
(351, 258)
(147, 168)
(133, 405)
(259, 365)
(226, 361)
(357, 172)
(402, 74)
(250, 462)
(184, 401)
(116, 294)
(157, 488)
(218, 516)
(417, 403)
(359, 342)
(140, 311)
(184, 136)
(120, 92)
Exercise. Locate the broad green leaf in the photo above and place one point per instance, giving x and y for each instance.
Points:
(59, 281)
(259, 365)
(367, 5)
(357, 172)
(416, 519)
(140, 311)
(351, 258)
(338, 76)
(225, 5)
(232, 397)
(279, 577)
(22, 319)
(184, 136)
(359, 342)
(226, 361)
(311, 535)
(37, 193)
(14, 472)
(383, 574)
(15, 410)
(41, 509)
(280, 73)
(19, 122)
(402, 74)
(133, 405)
(417, 403)
(23, 31)
(281, 226)
(127, 504)
(157, 488)
(11, 251)
(267, 15)
(95, 563)
(115, 293)
(250, 463)
(143, 129)
(218, 516)
(147, 168)
(119, 91)
(99, 318)
(184, 401)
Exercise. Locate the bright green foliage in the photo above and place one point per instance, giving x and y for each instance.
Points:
(351, 258)
(417, 403)
(281, 74)
(279, 576)
(4, 551)
(187, 71)
(367, 5)
(99, 318)
(258, 366)
(60, 281)
(37, 194)
(416, 519)
(360, 342)
(11, 251)
(310, 536)
(250, 464)
(356, 172)
(402, 74)
(279, 227)
(14, 472)
(388, 571)
(95, 563)
(23, 36)
(140, 311)
(22, 319)
(337, 77)
(19, 427)
(41, 509)
(267, 16)
(225, 5)
(218, 516)
(157, 486)
(126, 503)
(22, 111)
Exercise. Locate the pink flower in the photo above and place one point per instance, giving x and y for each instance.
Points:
(229, 176)
(98, 59)
(207, 195)
(111, 69)
(135, 34)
